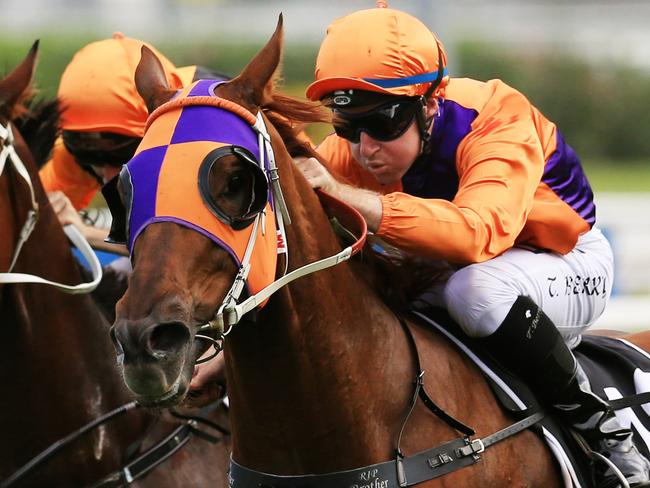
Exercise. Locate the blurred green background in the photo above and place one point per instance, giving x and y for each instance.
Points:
(603, 110)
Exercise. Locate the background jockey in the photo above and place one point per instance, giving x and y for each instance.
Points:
(102, 121)
(102, 124)
(472, 173)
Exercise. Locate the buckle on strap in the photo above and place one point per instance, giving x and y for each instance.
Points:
(474, 447)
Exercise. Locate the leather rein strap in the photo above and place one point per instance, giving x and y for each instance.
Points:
(138, 467)
(233, 312)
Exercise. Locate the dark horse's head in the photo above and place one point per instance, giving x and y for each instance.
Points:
(15, 88)
(200, 175)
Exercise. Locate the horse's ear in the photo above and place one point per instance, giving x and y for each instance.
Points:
(16, 83)
(256, 82)
(151, 80)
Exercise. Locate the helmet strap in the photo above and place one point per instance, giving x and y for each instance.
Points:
(424, 123)
(424, 126)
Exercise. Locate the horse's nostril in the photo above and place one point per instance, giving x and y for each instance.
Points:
(168, 338)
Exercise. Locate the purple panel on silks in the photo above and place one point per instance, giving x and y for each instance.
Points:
(144, 169)
(434, 175)
(563, 173)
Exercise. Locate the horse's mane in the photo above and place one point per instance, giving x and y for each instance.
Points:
(21, 107)
(38, 121)
(396, 276)
(289, 116)
(400, 277)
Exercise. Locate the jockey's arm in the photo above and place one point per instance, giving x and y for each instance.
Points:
(96, 238)
(367, 202)
(67, 214)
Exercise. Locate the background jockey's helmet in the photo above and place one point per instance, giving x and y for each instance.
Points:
(97, 89)
(379, 50)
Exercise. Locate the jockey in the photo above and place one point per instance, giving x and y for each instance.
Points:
(470, 172)
(102, 121)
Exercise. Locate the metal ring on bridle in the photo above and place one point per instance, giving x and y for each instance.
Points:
(216, 343)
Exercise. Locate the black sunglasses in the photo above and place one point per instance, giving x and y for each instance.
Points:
(100, 148)
(385, 122)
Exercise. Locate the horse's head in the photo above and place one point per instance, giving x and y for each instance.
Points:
(15, 159)
(201, 175)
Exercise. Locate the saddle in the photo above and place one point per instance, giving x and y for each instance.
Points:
(616, 368)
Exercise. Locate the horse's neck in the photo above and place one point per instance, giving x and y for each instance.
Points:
(324, 349)
(46, 318)
(56, 360)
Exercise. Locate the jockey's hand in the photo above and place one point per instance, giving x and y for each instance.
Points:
(317, 175)
(367, 202)
(65, 211)
(67, 214)
(208, 382)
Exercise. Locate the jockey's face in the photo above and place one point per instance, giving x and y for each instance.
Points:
(103, 153)
(388, 161)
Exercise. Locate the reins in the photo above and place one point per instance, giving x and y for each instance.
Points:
(139, 466)
(403, 470)
(231, 313)
(9, 154)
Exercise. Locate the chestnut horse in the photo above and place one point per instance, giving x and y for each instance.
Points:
(57, 368)
(321, 375)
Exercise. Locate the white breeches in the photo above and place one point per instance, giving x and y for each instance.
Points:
(572, 289)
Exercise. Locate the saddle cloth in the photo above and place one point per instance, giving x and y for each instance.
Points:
(616, 369)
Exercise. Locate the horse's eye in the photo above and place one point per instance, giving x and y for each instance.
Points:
(235, 185)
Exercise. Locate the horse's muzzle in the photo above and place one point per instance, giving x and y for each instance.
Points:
(155, 357)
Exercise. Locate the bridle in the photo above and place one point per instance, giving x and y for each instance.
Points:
(403, 470)
(230, 311)
(9, 154)
(151, 457)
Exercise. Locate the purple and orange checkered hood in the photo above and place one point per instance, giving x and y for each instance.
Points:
(164, 178)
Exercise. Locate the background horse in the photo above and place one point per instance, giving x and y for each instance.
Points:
(321, 378)
(57, 368)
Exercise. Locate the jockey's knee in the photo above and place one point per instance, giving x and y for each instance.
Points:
(478, 300)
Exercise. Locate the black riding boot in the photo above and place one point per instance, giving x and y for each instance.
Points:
(530, 345)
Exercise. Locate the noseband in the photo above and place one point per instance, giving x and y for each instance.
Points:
(9, 153)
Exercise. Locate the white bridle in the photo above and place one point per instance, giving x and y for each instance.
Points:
(230, 312)
(9, 153)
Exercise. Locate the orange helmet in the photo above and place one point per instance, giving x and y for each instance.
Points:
(97, 89)
(380, 50)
